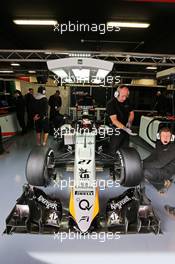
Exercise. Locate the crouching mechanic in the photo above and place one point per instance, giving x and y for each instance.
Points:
(121, 116)
(159, 167)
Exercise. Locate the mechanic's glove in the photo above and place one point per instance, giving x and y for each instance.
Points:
(129, 124)
(129, 131)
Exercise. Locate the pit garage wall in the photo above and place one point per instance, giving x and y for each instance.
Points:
(50, 90)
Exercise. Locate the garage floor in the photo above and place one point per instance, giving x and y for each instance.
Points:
(49, 249)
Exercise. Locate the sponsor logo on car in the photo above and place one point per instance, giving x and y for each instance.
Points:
(119, 205)
(49, 205)
(84, 192)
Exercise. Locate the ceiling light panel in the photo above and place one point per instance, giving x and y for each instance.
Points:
(80, 69)
(81, 74)
(60, 73)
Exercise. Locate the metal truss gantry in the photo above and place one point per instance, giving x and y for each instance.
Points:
(115, 57)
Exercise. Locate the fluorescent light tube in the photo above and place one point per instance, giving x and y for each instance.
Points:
(31, 71)
(128, 24)
(6, 71)
(15, 64)
(39, 22)
(151, 68)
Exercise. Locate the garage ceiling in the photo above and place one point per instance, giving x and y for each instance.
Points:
(158, 38)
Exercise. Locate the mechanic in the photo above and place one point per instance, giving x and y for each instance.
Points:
(160, 104)
(40, 115)
(85, 100)
(159, 167)
(28, 100)
(20, 110)
(55, 103)
(121, 116)
(56, 119)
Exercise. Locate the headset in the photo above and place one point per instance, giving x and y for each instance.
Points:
(41, 90)
(117, 92)
(172, 136)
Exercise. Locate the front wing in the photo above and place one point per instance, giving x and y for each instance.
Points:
(37, 213)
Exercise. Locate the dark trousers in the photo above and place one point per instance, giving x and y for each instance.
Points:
(118, 141)
(30, 122)
(20, 117)
(157, 176)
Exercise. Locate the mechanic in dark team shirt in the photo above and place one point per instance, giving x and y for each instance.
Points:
(55, 103)
(29, 100)
(159, 167)
(20, 109)
(56, 119)
(40, 115)
(120, 116)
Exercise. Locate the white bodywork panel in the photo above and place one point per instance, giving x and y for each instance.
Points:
(84, 194)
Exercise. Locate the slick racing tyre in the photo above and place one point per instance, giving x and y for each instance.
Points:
(40, 165)
(129, 167)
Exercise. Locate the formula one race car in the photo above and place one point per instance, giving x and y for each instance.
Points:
(83, 188)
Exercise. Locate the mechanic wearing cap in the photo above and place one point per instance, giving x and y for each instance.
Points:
(159, 167)
(121, 116)
(40, 113)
